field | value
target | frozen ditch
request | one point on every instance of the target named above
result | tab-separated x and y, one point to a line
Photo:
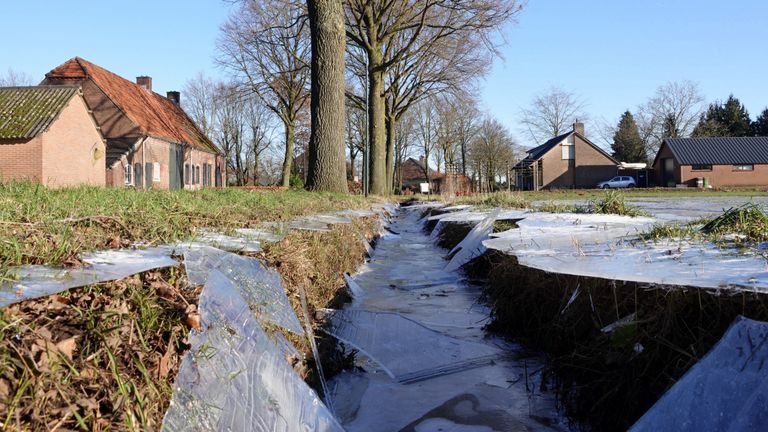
425	362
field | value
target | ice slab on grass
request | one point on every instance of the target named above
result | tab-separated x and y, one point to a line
227	242
261	286
236	379
727	390
406	350
38	281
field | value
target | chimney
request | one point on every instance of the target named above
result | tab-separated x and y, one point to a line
578	127
145	82
174	97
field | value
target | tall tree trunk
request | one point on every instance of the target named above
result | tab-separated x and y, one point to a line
376	126
327	167
463	156
391	131
288	161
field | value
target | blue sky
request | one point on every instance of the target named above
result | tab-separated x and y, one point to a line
613	53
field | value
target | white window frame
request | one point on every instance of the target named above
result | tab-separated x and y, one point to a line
155	172
128	174
568	149
744	167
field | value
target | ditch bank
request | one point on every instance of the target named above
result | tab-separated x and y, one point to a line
613	347
106	356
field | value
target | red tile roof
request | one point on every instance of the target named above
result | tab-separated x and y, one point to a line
151	112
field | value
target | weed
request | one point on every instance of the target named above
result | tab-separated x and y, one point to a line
496	199
749	221
555	207
613	202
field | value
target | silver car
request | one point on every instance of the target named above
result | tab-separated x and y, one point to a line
617	182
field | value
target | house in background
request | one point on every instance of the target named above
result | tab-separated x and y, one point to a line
48	135
722	161
151	142
569	160
414	173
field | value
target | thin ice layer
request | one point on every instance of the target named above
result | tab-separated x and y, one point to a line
605	246
39	281
226	242
261	286
472	245
726	391
235	379
380	336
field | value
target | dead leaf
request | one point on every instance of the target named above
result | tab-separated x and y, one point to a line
67	347
193	320
164	366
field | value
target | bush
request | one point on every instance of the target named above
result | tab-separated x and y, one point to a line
296	182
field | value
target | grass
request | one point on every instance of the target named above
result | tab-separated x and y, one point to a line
40	225
94	358
613	202
496	199
746	224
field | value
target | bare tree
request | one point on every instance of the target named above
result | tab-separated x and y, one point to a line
551	113
260	136
674	109
492	152
200	100
266	43
14	78
355	135
388	31
326	146
427	127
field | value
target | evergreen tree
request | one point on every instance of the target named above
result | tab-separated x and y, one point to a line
760	125
670	128
728	119
627	144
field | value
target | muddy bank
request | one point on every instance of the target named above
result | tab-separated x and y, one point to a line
614	348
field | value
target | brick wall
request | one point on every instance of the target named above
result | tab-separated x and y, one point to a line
153	150
21	159
726	175
73	150
592	165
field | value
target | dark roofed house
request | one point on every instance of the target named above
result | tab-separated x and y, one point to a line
568	160
151	142
723	161
48	135
414	173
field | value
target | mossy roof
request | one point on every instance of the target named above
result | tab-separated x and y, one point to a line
25	112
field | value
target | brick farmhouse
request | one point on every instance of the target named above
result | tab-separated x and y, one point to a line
569	160
48	135
150	140
722	161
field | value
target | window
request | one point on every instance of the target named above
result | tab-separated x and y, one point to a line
702	167
186	174
156	172
128	175
568	149
205	175
197	174
746	167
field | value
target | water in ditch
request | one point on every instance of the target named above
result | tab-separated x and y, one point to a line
426	362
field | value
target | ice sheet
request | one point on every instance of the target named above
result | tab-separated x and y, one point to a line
235	379
379	335
727	390
606	246
260	285
39	281
226	242
472	245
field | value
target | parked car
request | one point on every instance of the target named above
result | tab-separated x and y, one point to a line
617	182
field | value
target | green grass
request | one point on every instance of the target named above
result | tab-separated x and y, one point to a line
744	225
613	202
40	225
